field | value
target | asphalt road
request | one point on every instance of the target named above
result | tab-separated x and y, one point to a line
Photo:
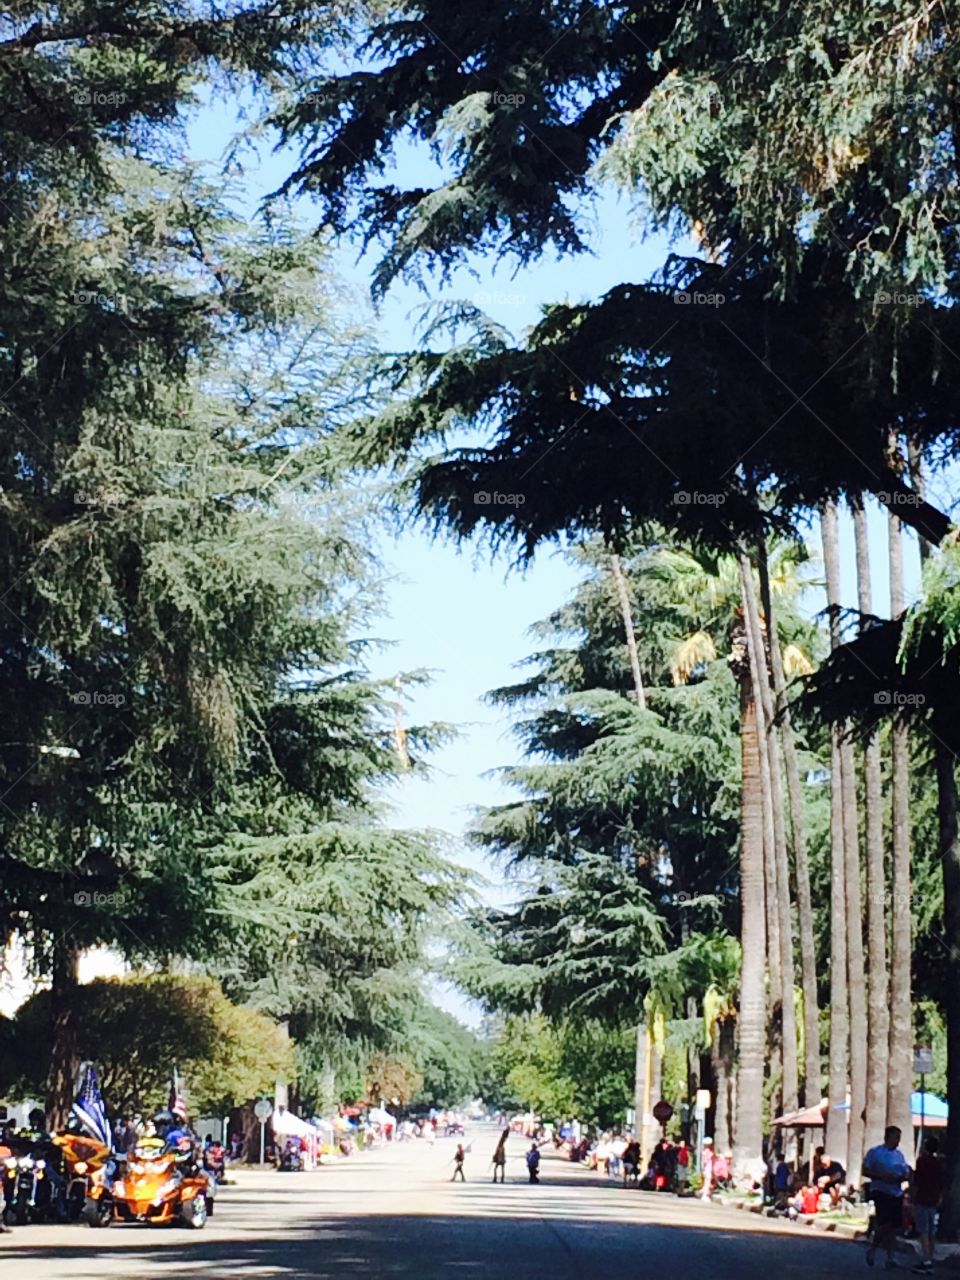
395	1213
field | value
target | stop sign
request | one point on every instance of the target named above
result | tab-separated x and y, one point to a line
662	1111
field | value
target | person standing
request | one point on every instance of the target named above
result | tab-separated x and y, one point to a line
683	1166
706	1169
887	1168
500	1158
927	1197
533	1163
458	1158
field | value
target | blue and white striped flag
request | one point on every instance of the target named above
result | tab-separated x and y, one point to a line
89	1108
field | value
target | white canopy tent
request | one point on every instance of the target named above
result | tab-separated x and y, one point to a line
287	1125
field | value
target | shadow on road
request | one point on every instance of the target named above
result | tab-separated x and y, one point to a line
502	1245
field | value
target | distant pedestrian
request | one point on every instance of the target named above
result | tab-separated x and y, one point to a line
458	1158
706	1169
683	1166
927	1196
887	1168
533	1163
500	1158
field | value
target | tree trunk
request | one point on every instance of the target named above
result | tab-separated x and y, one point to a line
752	1015
640	1098
878	1011
623	598
767	730
836	1134
900	1059
655	1131
62	1077
856	976
950	861
722	1054
798	831
626	613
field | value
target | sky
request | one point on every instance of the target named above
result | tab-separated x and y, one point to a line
455	611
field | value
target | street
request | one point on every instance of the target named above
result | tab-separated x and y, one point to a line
394	1212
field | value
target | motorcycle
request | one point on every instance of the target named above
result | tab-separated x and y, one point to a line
88	1163
34	1189
153	1186
291	1161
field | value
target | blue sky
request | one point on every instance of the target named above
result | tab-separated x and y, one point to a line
454	611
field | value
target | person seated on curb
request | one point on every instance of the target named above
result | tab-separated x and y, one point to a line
806	1202
831	1177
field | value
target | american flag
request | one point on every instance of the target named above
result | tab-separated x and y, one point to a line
177	1104
89	1108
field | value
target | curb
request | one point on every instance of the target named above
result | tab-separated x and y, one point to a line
947	1254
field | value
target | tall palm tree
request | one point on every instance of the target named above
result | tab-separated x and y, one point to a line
836	1135
748	1128
647	1056
878	1012
720	1024
773	796
856	972
900	1060
798	836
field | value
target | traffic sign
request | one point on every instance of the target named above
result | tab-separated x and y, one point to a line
923	1060
662	1111
263	1110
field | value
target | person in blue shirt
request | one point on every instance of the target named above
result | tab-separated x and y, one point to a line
887	1168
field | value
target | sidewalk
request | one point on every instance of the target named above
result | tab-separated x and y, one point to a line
945	1254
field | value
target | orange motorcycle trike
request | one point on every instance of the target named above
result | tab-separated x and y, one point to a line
152	1186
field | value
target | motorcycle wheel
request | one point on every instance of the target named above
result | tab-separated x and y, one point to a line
98	1213
194	1213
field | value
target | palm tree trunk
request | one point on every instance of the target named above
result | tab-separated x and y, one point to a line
878	1012
722	1053
798	832
748	1127
644	1049
623	598
946	760
767	729
900	1058
836	1134
856	975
